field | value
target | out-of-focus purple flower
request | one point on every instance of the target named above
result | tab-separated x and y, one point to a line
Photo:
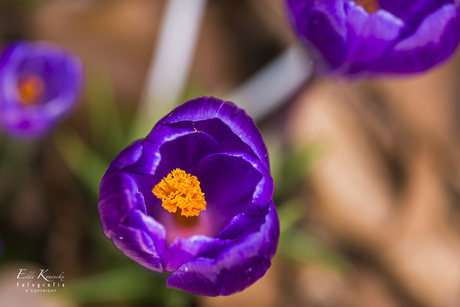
377	36
39	85
218	246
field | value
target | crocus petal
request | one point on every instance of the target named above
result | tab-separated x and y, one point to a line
189	147
182	250
228	193
127	156
433	42
244	131
229	245
366	38
416	13
144	239
262	191
61	73
405	36
237	266
241	224
397	8
156	231
119	196
137	245
323	25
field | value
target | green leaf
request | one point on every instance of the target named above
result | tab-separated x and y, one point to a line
301	247
106	128
132	283
86	164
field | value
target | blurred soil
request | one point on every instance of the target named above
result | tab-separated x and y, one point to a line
386	189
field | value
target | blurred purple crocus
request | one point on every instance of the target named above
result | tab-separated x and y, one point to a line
195	198
377	36
39	85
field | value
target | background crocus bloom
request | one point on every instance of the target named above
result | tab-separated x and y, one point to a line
39	85
372	36
151	199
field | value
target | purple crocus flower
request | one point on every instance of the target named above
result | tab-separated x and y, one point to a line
377	36
39	85
195	198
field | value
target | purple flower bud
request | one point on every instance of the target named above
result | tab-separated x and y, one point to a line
39	85
377	36
195	198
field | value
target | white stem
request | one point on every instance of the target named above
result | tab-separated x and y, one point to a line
170	66
274	83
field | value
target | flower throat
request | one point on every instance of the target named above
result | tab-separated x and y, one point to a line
371	6
180	193
31	89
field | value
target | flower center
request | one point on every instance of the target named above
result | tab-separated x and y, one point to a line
371	6
30	89
182	191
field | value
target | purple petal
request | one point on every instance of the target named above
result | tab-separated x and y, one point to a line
62	75
321	23
174	148
240	225
398	7
237	266
369	35
152	228
234	183
123	219
404	36
182	250
137	245
263	191
416	13
127	156
244	131
434	41
119	195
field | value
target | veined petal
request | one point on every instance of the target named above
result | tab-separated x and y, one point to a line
198	111
119	196
182	250
240	225
137	245
434	41
419	9
189	146
369	36
322	25
127	157
234	183
156	231
264	189
237	266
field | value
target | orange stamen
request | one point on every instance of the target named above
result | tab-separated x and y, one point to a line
371	6
30	89
182	191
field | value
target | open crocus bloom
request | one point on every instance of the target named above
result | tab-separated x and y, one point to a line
377	36
39	85
195	198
